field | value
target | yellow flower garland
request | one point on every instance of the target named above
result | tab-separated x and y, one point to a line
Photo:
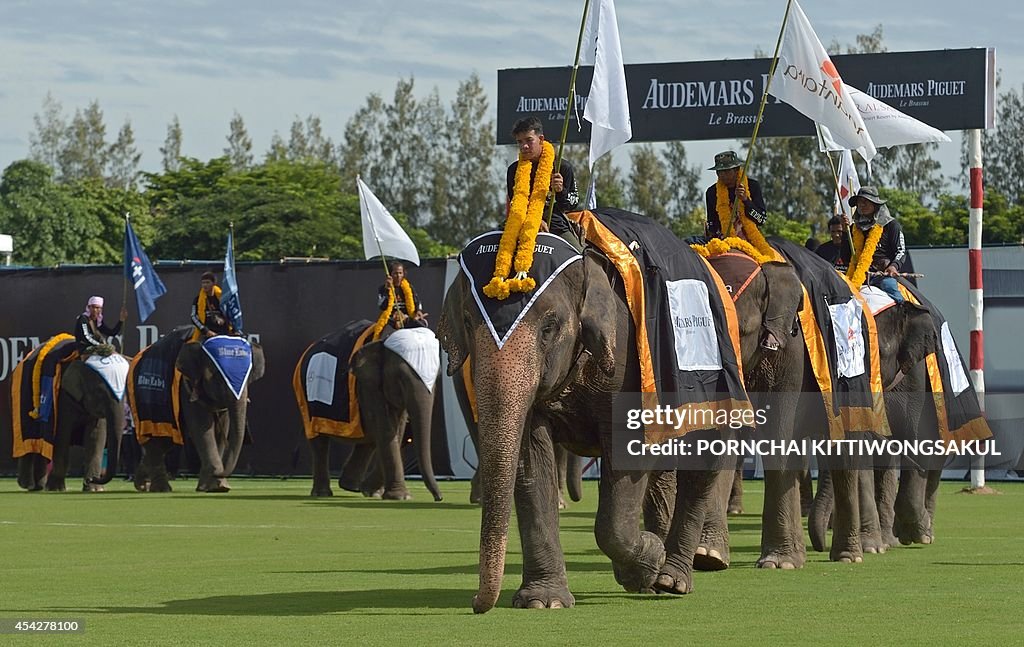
858	269
382	320
410	300
718	246
37	371
520	235
723	207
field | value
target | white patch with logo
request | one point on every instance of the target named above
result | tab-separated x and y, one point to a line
876	298
320	372
957	376
420	349
850	348
113	369
694	326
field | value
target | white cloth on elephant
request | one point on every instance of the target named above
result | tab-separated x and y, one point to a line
320	376
849	331
113	369
876	299
957	377
420	350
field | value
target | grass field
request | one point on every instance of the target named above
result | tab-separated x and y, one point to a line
266	564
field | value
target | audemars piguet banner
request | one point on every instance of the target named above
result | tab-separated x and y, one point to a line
947	89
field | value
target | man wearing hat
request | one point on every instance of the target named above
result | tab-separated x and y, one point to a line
890	253
89	327
722	194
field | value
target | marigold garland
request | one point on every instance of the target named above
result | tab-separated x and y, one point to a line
723	207
519	238
382	320
201	309
718	246
410	300
858	269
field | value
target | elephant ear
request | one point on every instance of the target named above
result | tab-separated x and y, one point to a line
191	361
919	339
451	329
597	314
72	381
367	363
259	363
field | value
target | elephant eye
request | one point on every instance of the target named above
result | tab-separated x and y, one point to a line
549	328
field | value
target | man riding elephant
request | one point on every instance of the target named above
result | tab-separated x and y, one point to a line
90	330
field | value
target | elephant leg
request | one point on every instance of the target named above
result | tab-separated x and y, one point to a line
735	505
372	484
911	524
61	442
545	584
95	440
846	528
694	493
712	552
32	472
320	448
561	456
806	493
389	453
782	536
211	473
870	525
886	482
359	462
659	503
152	474
820	514
474	488
636	555
930	495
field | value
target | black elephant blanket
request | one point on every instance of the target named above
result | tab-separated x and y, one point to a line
153	387
35	382
842	343
957	408
687	334
324	387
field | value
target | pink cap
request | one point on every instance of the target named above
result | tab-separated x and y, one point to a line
95	301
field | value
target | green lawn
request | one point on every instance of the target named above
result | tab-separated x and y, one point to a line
266	564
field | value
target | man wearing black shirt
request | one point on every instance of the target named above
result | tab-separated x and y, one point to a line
727	167
837	250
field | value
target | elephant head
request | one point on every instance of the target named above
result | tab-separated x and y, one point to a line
205	393
86	400
577	311
381	372
906	335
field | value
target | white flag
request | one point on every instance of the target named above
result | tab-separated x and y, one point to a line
887	125
607	105
382	235
806	79
849	184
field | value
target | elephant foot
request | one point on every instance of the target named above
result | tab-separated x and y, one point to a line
674	584
783	561
846	554
56	485
710	559
92	487
212	485
735	506
889	540
159	486
872	544
321	491
396	495
349	486
561	502
373	494
638	575
538	595
908	534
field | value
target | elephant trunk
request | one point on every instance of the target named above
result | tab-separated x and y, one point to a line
115	427
421	421
503	415
236	434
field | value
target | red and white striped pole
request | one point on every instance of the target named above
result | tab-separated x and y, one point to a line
977	292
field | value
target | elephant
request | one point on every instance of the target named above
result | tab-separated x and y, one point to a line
89	414
390	393
553	380
906	336
210	414
569	465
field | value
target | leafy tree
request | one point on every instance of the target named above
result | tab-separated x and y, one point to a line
84	151
1002	148
779	225
649	191
403	155
239	148
123	159
46	143
361	151
911	168
171	150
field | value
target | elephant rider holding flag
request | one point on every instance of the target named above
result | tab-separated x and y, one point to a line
406	311
90	331
207	316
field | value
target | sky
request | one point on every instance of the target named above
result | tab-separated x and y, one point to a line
273	61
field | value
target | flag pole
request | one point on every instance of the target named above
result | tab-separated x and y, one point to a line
569	105
124	291
839	193
760	110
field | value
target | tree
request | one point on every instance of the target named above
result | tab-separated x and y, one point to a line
403	155
649	191
46	142
307	142
123	159
239	148
171	150
1003	148
361	152
84	151
911	168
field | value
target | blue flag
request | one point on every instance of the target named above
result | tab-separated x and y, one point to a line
229	302
139	271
